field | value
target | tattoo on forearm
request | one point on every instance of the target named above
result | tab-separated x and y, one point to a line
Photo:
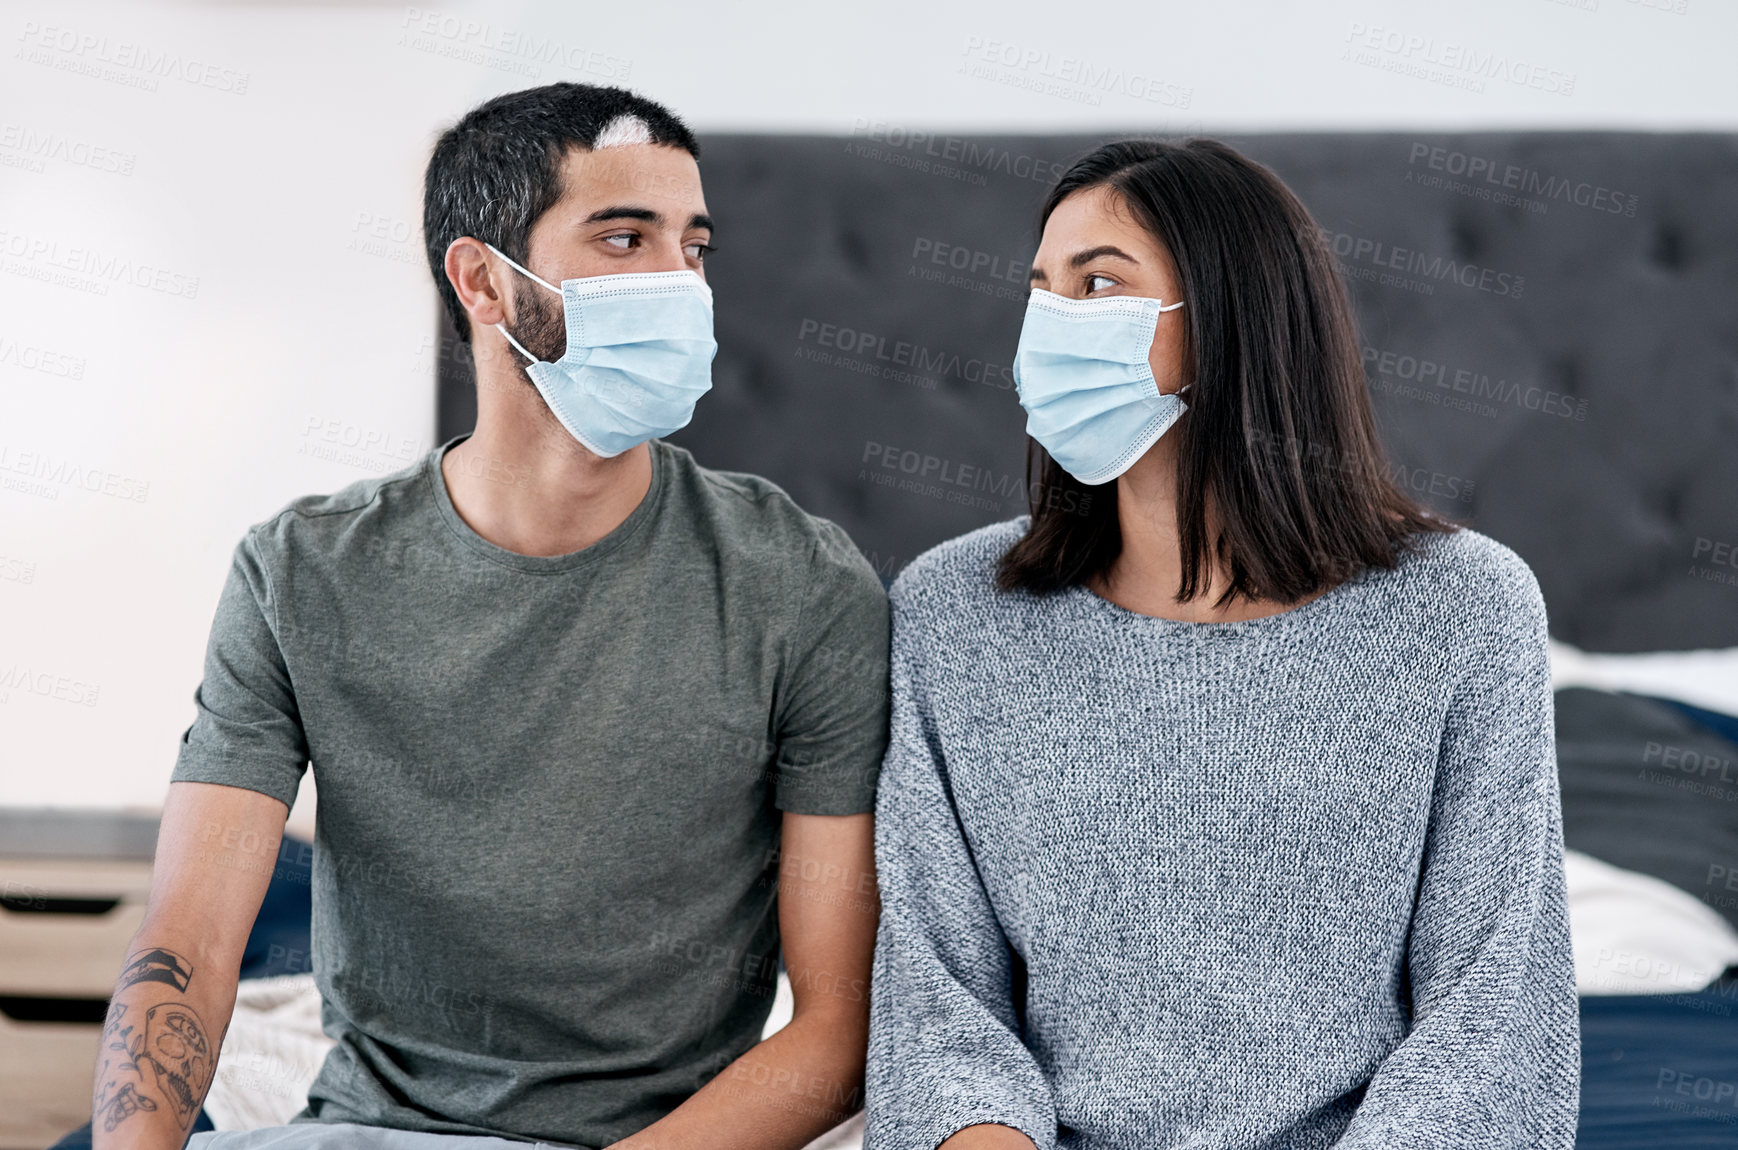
117	1095
112	1022
156	965
175	1047
127	1101
172	1045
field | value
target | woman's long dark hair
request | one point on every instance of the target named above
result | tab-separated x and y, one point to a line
1278	438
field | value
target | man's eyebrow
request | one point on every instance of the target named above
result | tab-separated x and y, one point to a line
625	212
648	215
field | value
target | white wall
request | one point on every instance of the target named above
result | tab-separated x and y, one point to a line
210	261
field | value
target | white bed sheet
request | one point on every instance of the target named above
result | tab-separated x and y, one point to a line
274	1048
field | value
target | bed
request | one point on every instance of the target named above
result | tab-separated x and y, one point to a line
1658	1071
1587	412
1650	790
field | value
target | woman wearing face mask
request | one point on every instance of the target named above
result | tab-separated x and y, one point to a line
1220	808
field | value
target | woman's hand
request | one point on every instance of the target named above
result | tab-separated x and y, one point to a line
988	1136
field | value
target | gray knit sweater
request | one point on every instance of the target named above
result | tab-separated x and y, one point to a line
1285	883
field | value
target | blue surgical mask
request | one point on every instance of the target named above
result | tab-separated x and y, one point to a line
639	356
1086	384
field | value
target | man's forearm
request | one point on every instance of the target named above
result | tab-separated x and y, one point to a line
159	1046
781	1095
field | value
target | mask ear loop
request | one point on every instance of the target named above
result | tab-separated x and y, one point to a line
503	330
1174	307
533	275
517	266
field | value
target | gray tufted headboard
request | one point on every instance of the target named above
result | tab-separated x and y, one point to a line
1550	324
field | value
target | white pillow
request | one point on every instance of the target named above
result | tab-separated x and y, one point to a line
1634	934
1706	679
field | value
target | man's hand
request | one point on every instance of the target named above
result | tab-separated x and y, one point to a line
216	849
807	1078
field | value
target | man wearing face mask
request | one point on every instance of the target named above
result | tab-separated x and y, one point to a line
596	729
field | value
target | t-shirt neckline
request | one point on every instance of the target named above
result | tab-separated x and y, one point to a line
543	564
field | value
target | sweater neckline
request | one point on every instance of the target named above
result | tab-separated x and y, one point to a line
1097	604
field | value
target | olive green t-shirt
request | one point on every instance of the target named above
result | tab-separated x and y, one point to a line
544	877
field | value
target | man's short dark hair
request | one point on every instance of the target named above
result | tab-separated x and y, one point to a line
498	169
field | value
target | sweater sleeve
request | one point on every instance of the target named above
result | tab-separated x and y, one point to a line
945	1050
1493	1055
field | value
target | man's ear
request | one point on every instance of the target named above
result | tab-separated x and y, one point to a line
471	272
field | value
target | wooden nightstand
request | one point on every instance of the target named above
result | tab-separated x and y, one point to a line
72	892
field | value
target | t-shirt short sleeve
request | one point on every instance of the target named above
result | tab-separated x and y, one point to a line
832	724
246	730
